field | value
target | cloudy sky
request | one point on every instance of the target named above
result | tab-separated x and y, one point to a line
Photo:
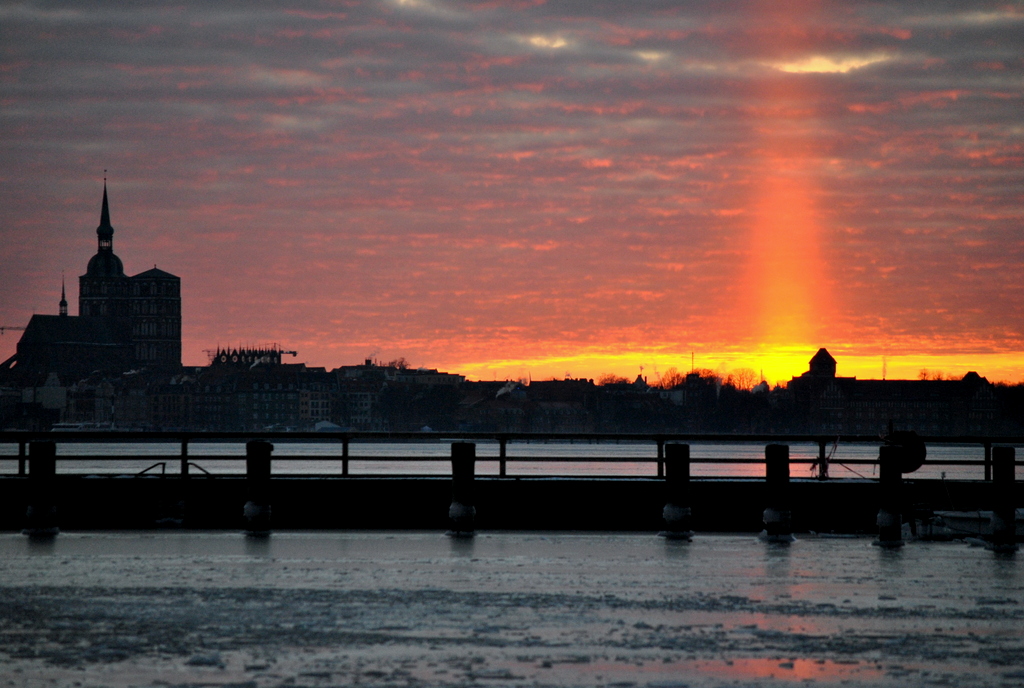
533	188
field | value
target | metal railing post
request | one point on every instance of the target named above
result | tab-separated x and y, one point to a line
184	458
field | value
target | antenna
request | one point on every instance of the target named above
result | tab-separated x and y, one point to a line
691	361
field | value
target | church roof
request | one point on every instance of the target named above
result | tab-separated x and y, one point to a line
155	273
70	346
73	329
823	356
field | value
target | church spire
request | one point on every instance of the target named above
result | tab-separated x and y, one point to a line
105	213
63	297
105	233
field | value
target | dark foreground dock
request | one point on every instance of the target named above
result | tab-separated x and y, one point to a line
40	499
358	502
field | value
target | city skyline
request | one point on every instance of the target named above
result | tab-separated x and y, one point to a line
503	191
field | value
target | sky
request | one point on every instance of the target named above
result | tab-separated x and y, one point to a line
533	189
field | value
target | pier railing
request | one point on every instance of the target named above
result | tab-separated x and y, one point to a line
348	444
564	501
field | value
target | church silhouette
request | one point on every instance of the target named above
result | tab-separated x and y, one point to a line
123	323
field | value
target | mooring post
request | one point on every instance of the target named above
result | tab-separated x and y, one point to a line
1004	521
822	461
502	442
344	456
677	482
462	512
41	516
988	461
890	487
778	518
21	458
257	479
661	458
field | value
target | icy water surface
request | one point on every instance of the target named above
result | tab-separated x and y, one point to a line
503	609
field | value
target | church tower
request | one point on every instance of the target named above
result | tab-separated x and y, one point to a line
103	289
156	318
149	303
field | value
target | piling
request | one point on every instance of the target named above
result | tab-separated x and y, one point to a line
1004	521
257	479
462	512
890	505
41	516
778	518
677	511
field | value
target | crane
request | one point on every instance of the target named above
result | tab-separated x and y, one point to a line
10	327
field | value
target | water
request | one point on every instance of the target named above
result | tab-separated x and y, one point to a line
377	458
504	609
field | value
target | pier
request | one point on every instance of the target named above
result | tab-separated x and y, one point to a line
47	492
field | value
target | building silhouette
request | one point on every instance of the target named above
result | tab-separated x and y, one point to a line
828	403
123	322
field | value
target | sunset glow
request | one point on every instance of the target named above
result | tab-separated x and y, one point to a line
531	190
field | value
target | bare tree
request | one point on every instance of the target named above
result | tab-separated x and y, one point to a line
672	378
742	378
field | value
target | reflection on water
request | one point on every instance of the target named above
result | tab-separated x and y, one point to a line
787	669
372	458
41	545
677	549
258	546
462	546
